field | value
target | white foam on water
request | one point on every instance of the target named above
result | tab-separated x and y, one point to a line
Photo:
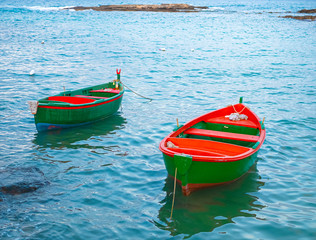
214	9
41	8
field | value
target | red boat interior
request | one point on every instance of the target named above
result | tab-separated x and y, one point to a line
72	100
84	99
205	147
106	90
93	97
224	120
218	136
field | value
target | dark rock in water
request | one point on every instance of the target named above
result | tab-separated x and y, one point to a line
21	180
144	7
309	17
307	11
303	17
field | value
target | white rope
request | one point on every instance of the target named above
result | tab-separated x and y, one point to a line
12	115
136	92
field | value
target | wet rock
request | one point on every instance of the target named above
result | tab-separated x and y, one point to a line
144	7
303	17
21	180
307	11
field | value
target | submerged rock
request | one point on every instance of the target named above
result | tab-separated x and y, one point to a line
21	180
144	7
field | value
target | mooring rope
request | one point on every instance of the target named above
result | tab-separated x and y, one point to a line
174	183
136	92
240	111
174	191
12	114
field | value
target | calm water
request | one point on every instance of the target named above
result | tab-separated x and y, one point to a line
108	180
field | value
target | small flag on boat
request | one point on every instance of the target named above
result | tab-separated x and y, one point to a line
33	106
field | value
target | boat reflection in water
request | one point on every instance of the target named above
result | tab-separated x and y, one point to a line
207	209
80	137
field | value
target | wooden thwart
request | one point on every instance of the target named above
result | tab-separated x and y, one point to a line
226	135
224	120
84	96
205	147
109	90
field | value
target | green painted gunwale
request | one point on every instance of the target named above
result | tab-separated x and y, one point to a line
54	112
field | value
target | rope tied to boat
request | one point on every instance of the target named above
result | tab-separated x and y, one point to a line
174	184
236	116
174	191
150	99
239	111
11	115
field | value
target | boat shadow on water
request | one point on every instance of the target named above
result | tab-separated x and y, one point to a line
71	137
210	208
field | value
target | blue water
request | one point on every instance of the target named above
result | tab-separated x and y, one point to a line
108	180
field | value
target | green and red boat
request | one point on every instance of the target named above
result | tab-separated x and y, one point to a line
78	107
216	148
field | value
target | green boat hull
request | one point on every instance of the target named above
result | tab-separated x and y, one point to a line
56	115
213	149
206	174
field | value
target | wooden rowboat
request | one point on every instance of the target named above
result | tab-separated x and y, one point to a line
212	149
78	107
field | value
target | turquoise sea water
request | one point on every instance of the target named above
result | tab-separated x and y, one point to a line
108	180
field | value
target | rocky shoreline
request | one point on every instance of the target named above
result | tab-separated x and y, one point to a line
178	8
144	7
308	17
303	17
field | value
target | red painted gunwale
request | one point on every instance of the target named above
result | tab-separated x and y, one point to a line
252	117
83	105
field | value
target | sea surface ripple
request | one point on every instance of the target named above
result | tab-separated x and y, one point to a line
107	180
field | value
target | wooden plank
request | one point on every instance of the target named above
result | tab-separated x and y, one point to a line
106	90
193	151
218	134
84	96
214	148
224	120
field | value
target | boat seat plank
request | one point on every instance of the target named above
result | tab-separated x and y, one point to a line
224	120
84	96
72	100
106	90
191	151
218	134
214	148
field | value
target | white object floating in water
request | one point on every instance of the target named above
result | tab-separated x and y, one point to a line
32	72
192	50
162	49
33	106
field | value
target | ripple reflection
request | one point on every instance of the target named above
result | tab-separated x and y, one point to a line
71	138
208	209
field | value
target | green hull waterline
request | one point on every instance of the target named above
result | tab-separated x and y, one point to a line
210	172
